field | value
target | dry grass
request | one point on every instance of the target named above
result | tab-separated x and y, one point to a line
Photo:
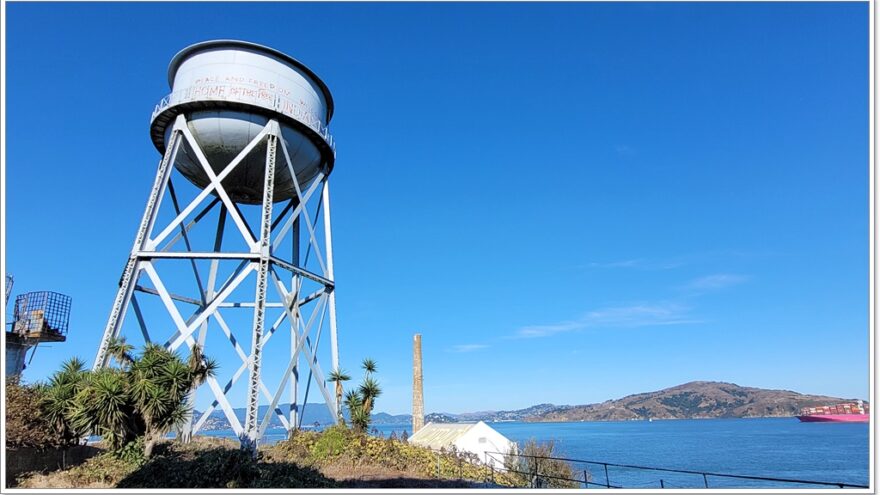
101	471
377	476
59	479
349	461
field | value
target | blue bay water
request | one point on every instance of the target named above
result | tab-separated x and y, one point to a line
767	447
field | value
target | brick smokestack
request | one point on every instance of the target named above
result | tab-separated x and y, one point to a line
418	412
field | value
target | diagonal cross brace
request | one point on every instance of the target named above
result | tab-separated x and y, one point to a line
187	330
312	239
300	207
131	272
293	359
310	356
244	365
215	184
178	321
241	354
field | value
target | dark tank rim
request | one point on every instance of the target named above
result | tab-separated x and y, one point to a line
161	122
219	44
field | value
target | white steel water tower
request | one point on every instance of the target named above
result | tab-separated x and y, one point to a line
248	126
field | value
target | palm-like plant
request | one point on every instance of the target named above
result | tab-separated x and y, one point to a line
103	407
360	420
353	399
360	402
355	406
160	382
338	376
369	391
369	366
201	367
121	351
146	397
58	395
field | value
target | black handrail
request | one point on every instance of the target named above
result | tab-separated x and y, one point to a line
683	471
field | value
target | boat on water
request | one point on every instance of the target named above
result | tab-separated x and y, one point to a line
847	412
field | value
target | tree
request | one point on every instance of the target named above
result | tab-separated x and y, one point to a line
144	397
338	376
360	402
160	382
57	397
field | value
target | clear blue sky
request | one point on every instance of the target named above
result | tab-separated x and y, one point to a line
571	202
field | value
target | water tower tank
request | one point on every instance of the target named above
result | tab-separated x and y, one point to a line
228	90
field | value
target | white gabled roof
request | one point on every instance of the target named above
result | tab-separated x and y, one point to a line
440	435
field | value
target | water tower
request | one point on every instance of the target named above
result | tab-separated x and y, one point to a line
247	125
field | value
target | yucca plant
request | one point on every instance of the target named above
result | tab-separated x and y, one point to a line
369	391
360	402
369	366
339	376
354	404
103	406
159	382
57	398
144	397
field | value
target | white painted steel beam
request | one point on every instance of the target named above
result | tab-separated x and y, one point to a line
132	268
328	240
252	435
311	230
262	256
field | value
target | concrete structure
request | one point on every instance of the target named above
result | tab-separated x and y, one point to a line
16	352
477	438
247	125
9	283
418	414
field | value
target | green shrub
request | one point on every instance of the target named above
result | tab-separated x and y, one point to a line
209	465
145	397
131	453
340	445
331	443
107	469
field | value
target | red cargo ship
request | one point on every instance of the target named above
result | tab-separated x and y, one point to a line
848	412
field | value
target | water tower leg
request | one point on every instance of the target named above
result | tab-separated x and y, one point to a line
187	431
132	268
294	288
328	246
251	434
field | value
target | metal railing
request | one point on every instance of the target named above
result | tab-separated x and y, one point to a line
537	479
257	95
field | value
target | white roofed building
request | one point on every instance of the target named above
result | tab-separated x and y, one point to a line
477	438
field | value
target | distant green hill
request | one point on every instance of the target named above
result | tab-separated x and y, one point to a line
313	413
689	400
692	400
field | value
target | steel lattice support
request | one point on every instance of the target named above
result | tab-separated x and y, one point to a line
263	258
